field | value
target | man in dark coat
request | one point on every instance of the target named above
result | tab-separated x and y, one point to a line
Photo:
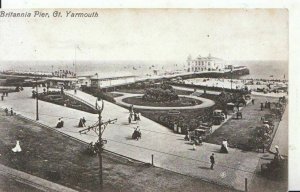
11	111
212	161
83	121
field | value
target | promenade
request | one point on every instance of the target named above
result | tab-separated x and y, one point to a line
170	150
281	136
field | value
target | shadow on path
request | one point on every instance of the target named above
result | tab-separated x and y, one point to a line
202	167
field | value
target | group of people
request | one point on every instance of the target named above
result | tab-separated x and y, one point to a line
7	112
63	73
3	95
267	105
137	134
133	116
81	122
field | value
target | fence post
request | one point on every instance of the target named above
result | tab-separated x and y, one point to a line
246	184
152	157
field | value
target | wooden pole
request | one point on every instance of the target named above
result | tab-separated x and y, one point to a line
37	102
152	159
100	152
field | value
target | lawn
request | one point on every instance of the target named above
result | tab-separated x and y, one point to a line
62	99
239	131
45	151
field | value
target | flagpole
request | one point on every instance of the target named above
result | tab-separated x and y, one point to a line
75	62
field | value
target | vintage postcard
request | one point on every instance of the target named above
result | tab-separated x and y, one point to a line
144	99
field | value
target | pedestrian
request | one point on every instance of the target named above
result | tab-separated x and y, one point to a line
83	121
60	123
11	112
129	119
226	113
2	97
80	124
131	109
266	104
6	111
138	117
135	117
194	146
75	91
212	161
261	106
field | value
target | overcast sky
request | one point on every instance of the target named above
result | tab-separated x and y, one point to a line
257	34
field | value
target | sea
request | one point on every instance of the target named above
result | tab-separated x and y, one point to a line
258	69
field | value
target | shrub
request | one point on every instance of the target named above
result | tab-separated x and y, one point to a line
160	94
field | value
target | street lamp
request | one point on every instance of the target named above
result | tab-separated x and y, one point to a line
99	128
97	79
231	80
100	109
37	101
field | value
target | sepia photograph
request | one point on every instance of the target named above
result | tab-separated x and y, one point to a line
144	100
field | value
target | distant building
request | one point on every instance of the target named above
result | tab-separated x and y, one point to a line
108	81
58	82
205	64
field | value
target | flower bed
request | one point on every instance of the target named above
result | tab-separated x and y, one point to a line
64	100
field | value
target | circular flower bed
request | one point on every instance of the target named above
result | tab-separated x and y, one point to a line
180	102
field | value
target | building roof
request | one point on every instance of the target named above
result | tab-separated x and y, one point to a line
209	57
61	79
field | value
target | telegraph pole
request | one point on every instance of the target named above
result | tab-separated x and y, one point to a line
37	101
99	128
231	80
101	148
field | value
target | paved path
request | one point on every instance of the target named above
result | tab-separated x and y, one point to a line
281	136
170	150
36	182
205	102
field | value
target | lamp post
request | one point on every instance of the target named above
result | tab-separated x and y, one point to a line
37	101
97	80
231	80
101	141
100	108
99	128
